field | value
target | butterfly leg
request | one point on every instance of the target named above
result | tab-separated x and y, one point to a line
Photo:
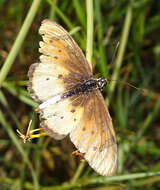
30	133
79	154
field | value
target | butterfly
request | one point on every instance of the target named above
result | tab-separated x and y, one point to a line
70	101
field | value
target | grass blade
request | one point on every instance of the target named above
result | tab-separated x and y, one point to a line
19	40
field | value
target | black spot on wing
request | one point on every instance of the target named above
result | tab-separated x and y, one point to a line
60	76
73	110
92	132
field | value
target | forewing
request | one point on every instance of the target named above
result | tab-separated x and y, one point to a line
62	63
94	135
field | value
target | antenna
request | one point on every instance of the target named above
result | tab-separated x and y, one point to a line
142	91
130	85
126	83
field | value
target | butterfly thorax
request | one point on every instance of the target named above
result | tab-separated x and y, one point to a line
86	86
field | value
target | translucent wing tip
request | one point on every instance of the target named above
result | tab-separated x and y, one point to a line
103	162
47	26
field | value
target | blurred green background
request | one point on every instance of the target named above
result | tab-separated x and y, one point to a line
47	164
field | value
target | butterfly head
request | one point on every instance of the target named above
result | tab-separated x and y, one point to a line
101	82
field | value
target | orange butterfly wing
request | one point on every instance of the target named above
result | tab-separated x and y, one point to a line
62	63
94	135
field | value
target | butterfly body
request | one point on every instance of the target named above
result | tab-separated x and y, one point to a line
70	99
86	86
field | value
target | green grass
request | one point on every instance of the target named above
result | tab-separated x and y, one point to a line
97	26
